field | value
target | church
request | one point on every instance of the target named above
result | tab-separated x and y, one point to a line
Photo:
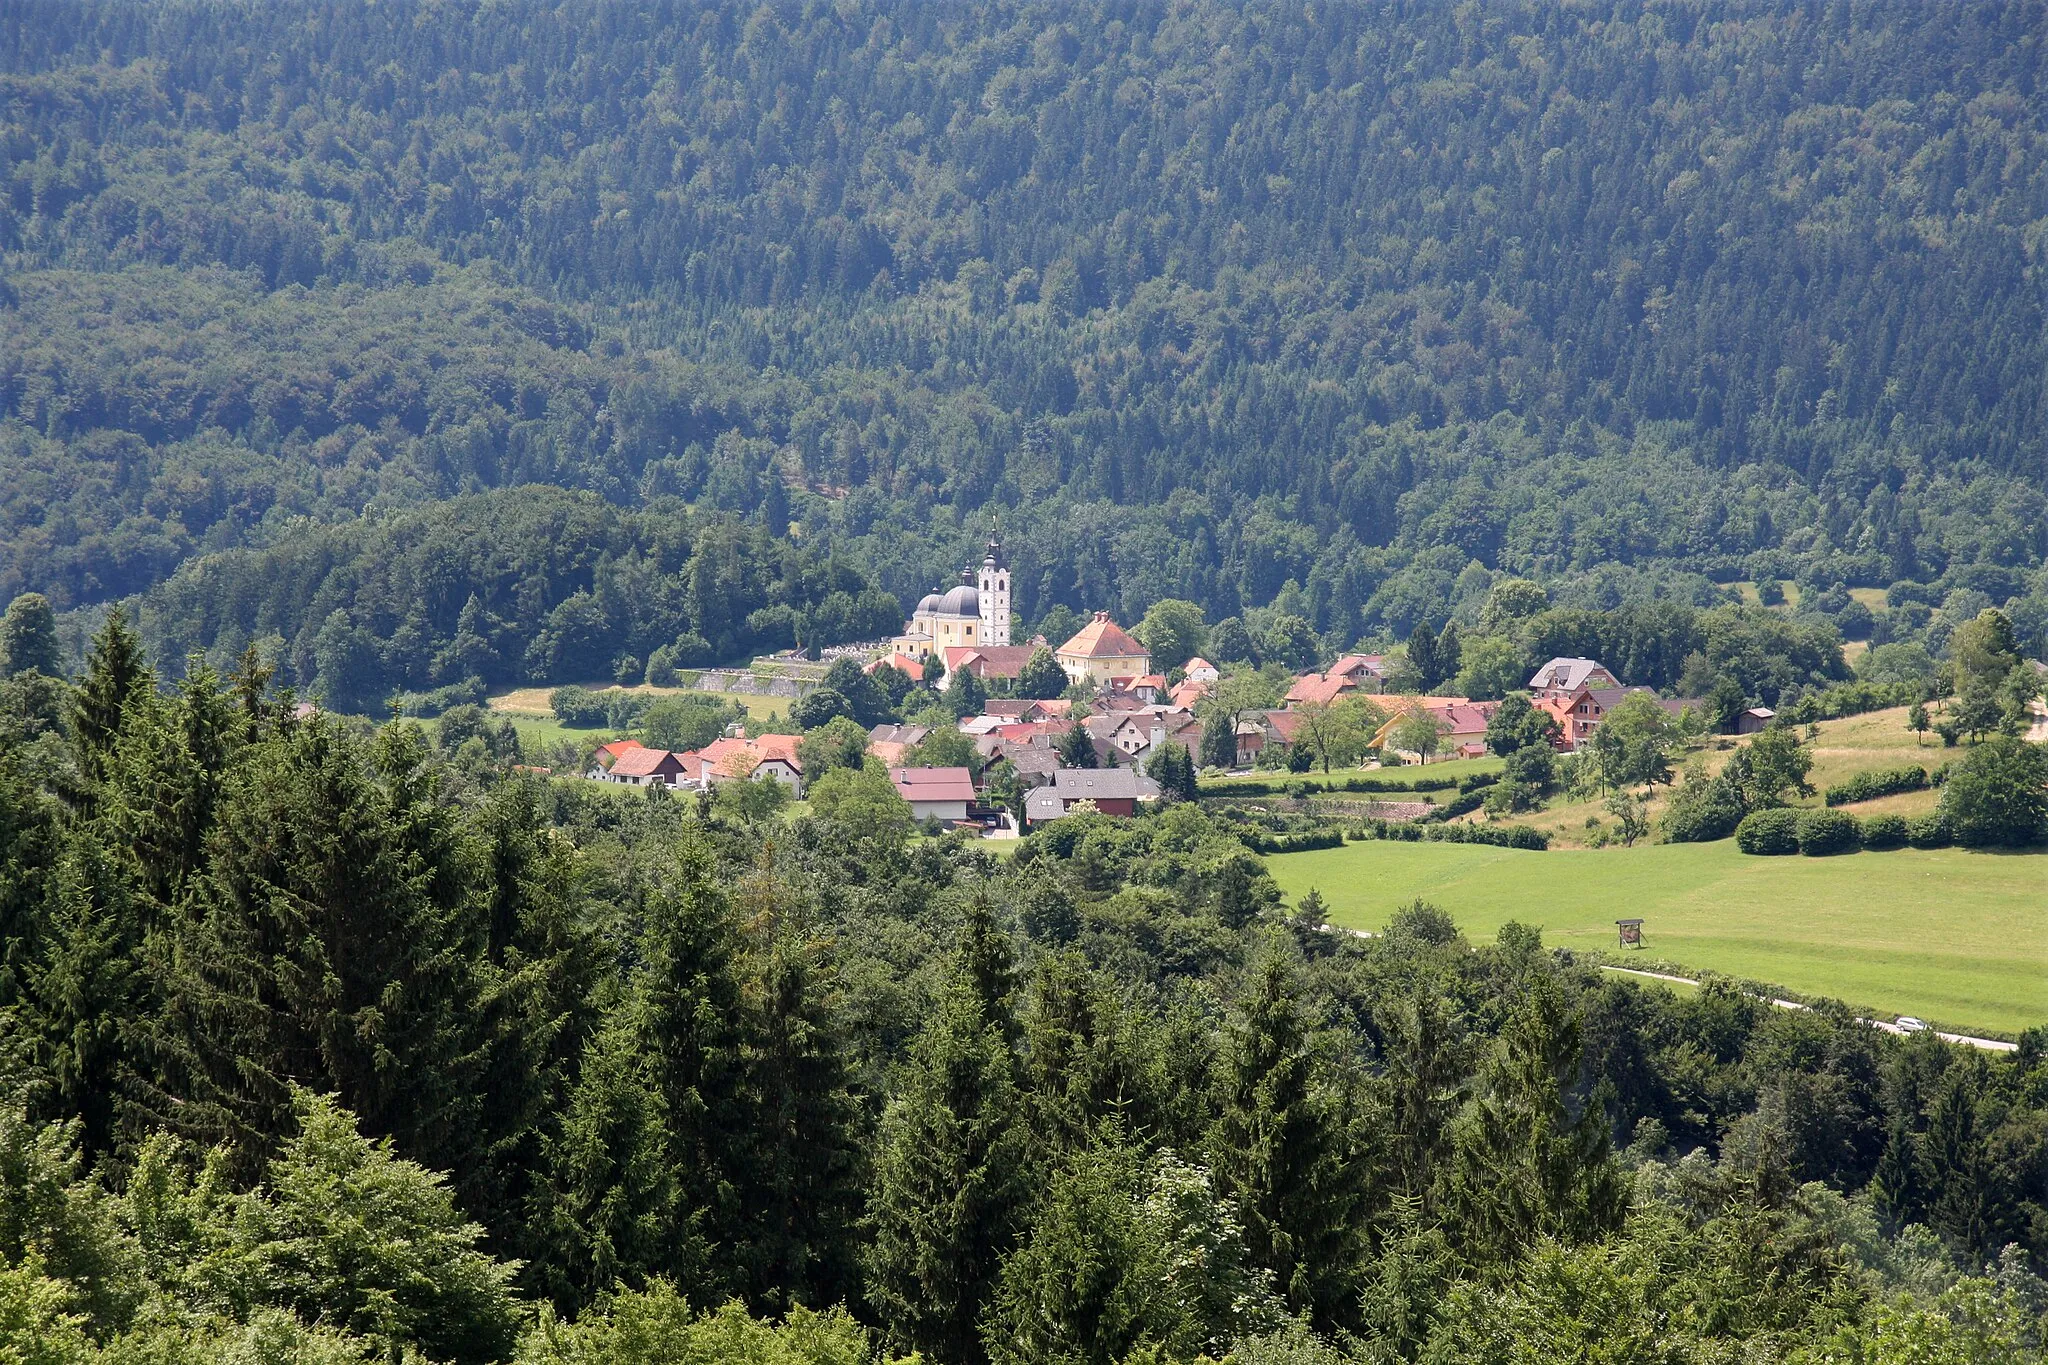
975	613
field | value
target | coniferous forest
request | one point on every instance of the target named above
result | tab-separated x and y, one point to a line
375	349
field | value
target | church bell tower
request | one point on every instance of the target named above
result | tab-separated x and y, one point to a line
994	590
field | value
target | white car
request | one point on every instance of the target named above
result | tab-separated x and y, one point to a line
1906	1023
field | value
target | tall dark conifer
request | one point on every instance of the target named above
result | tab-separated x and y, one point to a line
114	672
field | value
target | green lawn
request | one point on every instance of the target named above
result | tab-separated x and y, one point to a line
1406	775
1958	938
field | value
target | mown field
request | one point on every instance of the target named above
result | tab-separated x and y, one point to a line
1405	776
1958	938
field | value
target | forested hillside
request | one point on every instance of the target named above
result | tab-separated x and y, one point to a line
1205	299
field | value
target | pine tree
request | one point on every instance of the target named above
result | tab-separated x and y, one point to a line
803	1196
1219	741
1076	749
951	1180
28	638
1961	1201
607	1210
114	674
1424	1070
1449	652
1281	1148
965	696
1895	1184
329	945
696	1022
1523	1164
1422	655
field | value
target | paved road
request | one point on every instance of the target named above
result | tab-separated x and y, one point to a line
1988	1044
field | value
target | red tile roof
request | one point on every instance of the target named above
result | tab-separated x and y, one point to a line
933	784
1102	638
640	761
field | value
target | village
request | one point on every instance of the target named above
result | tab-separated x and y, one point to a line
1089	723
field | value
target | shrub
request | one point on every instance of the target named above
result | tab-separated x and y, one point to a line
1768	832
1702	812
1884	832
1928	831
1997	796
1822	832
1870	786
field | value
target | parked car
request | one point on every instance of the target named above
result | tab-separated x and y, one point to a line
1906	1023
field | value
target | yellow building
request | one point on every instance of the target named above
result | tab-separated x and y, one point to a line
1101	650
941	622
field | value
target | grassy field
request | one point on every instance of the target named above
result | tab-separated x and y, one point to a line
1449	768
1846	747
533	701
1958	938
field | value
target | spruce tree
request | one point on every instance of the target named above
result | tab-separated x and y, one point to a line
1422	655
607	1210
1895	1185
698	1026
1281	1147
803	1192
1961	1199
1219	741
950	1184
114	673
1076	749
1524	1165
28	638
329	944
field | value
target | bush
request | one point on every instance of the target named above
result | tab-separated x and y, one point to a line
1884	832
1769	833
1997	796
1416	831
1702	812
1870	786
1928	831
1824	831
1258	841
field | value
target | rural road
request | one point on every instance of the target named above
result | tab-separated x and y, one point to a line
1988	1044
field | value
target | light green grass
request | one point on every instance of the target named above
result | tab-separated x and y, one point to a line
533	701
1406	775
1956	937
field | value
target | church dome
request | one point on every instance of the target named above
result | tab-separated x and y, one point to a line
927	604
961	601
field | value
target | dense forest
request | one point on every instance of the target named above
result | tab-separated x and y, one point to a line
1205	300
324	1045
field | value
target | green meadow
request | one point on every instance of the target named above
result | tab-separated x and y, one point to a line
1958	938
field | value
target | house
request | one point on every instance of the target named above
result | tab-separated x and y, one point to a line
1259	730
1367	672
1563	677
1188	694
1150	689
1200	670
1317	689
935	793
1101	650
1460	721
1138	735
640	766
1579	714
733	759
608	754
1754	719
989	661
1115	791
1033	764
912	669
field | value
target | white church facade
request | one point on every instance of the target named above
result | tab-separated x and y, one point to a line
975	613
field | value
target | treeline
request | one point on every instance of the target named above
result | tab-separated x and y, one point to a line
532	583
1108	1099
1206	301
